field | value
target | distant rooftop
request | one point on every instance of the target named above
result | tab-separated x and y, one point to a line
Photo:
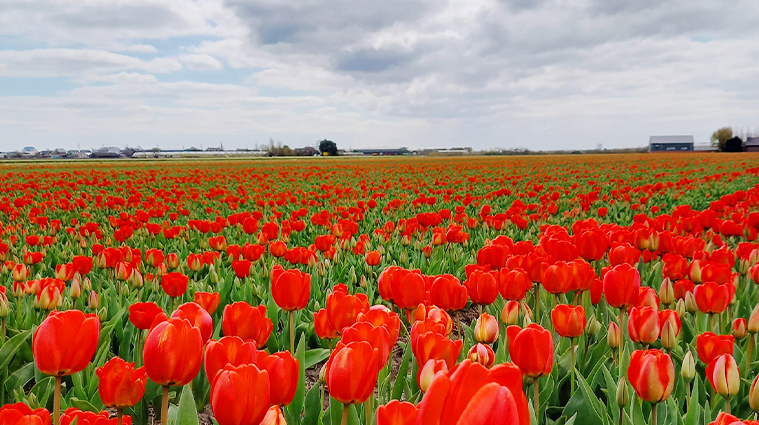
670	139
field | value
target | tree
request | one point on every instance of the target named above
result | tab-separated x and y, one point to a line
721	136
328	147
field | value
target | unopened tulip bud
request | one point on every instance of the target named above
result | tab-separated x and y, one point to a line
593	326
427	251
76	289
103	314
753	321
486	329
688	370
323	374
362	282
428	371
613	336
93	301
155	284
274	416
510	313
526	321
668	336
172	261
404	258
86	284
321	269
482	354
680	308
623	393
753	395
212	275
5	305
724	376
690	303
739	328
352	278
667	292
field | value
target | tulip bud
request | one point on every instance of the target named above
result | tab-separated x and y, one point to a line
352	278
274	416
76	289
753	321
593	326
739	328
510	313
623	393
212	276
753	395
93	301
613	336
403	259
321	269
526	321
724	376
323	374
18	289
5	306
668	336
482	354
666	292
690	303
103	314
137	280
362	282
688	370
427	251
172	261
486	329
428	371
155	285
680	308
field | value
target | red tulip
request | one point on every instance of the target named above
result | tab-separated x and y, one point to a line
240	395
709	346
482	354
712	297
351	372
568	321
373	258
481	287
82	264
486	329
431	345
531	349
375	335
290	289
397	413
21	414
343	309
228	350
65	342
382	316
241	268
283	371
248	322
120	384
142	314
198	317
408	288
621	286
652	375
173	352
557	278
174	284
643	325
513	284
208	300
472	394
447	293
322	326
427	373
624	253
724	375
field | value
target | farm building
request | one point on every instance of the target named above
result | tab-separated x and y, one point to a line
670	143
752	144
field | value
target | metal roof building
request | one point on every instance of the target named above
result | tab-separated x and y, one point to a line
752	144
670	143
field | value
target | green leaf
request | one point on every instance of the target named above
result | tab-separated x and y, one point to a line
43	390
187	414
10	347
691	417
296	406
83	405
20	378
315	356
597	406
313	405
400	381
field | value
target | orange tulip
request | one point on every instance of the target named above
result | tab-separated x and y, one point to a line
290	289
486	329
447	293
198	317
643	326
568	321
375	335
240	395
65	342
228	350
351	372
431	345
513	284
482	354
343	309
709	346
652	375
173	352
248	322
380	315
712	297
120	384
472	394
373	258
322	326
427	373
208	300
724	376
481	287
531	349
174	284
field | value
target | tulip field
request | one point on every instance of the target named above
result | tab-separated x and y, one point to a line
547	290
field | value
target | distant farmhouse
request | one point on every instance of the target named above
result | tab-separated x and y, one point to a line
670	143
752	144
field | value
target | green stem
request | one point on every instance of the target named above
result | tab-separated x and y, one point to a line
57	402
572	349
165	406
119	416
537	303
536	399
458	322
368	410
621	320
653	414
750	352
344	420
727	405
292	332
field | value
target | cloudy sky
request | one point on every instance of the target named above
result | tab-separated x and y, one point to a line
542	74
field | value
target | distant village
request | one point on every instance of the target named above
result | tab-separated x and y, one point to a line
675	143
